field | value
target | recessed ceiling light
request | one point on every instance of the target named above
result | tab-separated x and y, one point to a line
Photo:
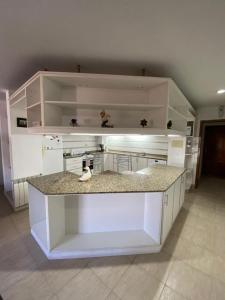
222	91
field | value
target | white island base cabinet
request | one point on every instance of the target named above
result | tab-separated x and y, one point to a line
91	225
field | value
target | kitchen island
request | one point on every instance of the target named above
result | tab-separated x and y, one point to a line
112	214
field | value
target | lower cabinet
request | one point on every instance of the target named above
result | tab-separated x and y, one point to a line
110	162
73	165
173	200
167	214
176	198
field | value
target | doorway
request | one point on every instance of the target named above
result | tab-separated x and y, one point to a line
213	160
212	151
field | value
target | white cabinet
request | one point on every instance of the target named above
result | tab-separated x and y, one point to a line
139	163
73	165
142	163
49	100
134	163
167	216
172	203
109	162
176	199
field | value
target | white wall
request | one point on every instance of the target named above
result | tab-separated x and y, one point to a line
79	144
207	113
157	145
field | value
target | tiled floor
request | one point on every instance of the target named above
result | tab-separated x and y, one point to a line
191	265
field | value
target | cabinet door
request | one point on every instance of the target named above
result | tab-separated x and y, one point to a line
108	162
182	189
134	163
176	200
142	163
74	165
167	216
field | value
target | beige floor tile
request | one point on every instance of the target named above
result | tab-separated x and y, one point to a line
196	244
21	221
189	282
137	284
33	248
203	261
15	263
15	248
219	245
110	269
158	264
8	231
169	294
181	248
203	238
112	296
219	268
33	287
186	232
59	272
218	290
11	271
86	285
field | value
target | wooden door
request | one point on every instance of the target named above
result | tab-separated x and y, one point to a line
214	151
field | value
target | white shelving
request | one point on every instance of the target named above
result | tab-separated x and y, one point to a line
113	106
111	243
52	99
102	131
92	225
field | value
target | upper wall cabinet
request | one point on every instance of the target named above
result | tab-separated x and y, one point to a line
50	100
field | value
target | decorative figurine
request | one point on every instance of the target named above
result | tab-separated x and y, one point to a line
87	175
105	119
143	123
73	123
169	124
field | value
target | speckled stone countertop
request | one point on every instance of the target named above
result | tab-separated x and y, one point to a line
155	179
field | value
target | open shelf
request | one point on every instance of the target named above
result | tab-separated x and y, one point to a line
52	99
177	112
90	105
33	105
34	115
93	244
102	131
17	98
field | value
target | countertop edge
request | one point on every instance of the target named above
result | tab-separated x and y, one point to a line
115	192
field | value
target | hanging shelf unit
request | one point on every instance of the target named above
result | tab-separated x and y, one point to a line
49	100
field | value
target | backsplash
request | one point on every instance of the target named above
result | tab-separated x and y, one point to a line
140	143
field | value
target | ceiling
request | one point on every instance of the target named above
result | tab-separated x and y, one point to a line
174	38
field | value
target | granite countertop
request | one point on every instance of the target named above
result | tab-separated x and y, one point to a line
155	179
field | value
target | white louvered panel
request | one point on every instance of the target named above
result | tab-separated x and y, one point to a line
16	194
79	144
21	192
25	185
157	145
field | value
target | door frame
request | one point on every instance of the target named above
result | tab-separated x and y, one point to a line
203	125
